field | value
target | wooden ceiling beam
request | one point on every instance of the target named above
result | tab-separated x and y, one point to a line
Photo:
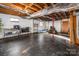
64	15
56	16
19	5
53	15
30	11
45	5
28	7
11	12
61	15
68	14
38	6
12	6
47	17
33	8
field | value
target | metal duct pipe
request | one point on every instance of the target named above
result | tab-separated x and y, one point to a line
50	10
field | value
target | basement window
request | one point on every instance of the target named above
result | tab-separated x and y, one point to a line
14	20
41	24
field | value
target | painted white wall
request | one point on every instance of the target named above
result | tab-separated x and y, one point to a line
57	25
27	22
41	24
22	22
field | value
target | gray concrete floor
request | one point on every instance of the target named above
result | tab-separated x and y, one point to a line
41	44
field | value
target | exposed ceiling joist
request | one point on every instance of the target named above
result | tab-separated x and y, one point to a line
43	10
11	12
15	6
64	15
19	5
45	5
47	17
30	11
29	7
34	8
60	15
56	16
12	6
37	5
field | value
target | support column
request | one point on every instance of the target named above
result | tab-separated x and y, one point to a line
72	28
53	25
33	26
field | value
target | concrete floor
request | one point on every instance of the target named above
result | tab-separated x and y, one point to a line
41	44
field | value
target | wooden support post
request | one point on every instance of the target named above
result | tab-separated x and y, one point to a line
72	28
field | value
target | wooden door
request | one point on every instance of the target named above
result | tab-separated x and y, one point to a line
65	26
